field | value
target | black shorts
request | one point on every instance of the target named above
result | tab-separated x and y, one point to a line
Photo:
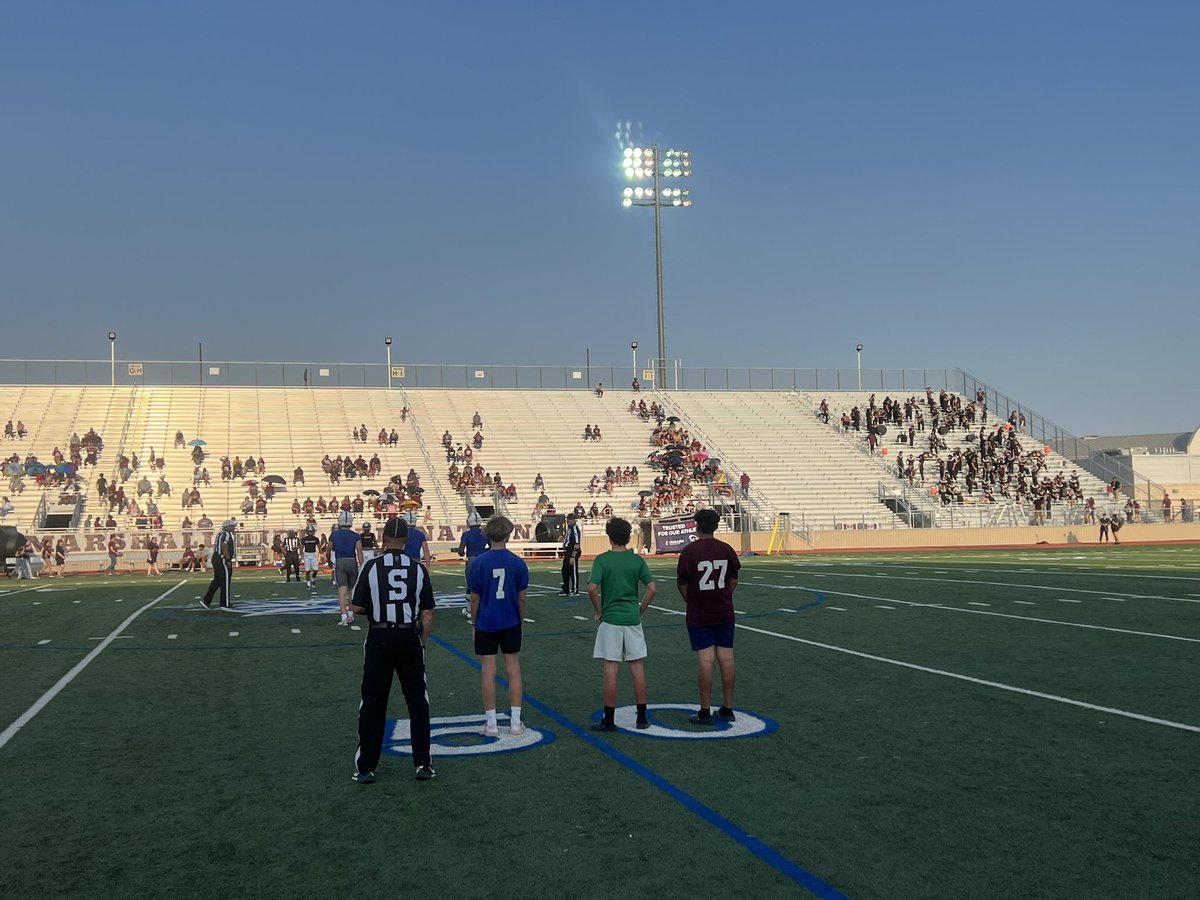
506	641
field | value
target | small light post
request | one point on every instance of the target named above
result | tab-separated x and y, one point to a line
633	345
388	342
112	355
858	352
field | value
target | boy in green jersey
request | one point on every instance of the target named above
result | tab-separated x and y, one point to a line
613	590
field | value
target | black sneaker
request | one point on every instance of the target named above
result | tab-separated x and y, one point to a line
604	726
703	717
724	714
363	777
562	594
643	724
425	773
205	603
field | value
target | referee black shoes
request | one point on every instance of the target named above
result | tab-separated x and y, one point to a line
363	777
425	773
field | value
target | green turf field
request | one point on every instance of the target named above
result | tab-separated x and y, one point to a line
972	724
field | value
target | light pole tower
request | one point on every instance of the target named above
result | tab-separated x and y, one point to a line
633	345
646	162
388	342
112	355
858	357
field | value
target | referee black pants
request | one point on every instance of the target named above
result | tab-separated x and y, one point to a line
222	581
291	563
570	573
392	651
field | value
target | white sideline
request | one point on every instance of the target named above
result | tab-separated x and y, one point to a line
993	684
980	612
10	732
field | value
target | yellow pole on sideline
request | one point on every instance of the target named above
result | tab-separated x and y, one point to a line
774	531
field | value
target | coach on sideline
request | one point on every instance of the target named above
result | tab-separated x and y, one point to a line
395	593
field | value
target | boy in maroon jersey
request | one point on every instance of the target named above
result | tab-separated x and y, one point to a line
707	576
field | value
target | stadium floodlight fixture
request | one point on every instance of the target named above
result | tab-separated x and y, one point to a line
388	343
112	356
650	162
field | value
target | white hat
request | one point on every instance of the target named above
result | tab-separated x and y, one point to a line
229	523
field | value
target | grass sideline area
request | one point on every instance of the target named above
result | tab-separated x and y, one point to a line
1016	723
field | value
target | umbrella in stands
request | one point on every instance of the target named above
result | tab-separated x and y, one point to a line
69	468
371	492
35	469
672	418
196	442
411	504
275	479
13	468
644	494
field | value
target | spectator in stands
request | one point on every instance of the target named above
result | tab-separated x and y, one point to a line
1185	510
1166	507
6	508
179	441
393	438
596	433
745	482
186	524
538	482
110	522
164	487
637	385
21	430
204	522
144	486
9	431
600	389
187	561
477	421
477	440
298	476
587	432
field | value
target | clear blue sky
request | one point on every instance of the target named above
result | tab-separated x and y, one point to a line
1009	188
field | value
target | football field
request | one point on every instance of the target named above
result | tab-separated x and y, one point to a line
920	724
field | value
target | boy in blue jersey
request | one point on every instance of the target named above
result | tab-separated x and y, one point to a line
472	543
416	544
497	582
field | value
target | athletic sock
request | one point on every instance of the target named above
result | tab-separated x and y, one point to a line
641	710
491	719
514	717
609	713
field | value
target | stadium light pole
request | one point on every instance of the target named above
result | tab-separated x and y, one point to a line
646	162
633	345
388	342
112	355
858	352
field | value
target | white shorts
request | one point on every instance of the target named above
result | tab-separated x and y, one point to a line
620	643
368	555
310	562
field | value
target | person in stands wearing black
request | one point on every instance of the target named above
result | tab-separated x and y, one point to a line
395	593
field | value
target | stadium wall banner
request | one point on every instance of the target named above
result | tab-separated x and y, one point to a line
672	535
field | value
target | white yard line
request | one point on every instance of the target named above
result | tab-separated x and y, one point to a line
980	681
11	731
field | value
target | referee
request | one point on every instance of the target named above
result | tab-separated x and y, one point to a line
291	555
396	595
572	550
223	555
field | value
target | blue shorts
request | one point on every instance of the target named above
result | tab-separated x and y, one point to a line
705	636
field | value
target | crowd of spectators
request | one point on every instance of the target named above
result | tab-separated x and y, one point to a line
990	463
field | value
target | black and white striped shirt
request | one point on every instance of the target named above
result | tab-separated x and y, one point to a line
291	544
573	538
393	588
224	539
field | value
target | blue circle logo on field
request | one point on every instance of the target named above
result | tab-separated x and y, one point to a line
669	721
460	736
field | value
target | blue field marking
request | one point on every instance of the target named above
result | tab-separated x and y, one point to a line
767	854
